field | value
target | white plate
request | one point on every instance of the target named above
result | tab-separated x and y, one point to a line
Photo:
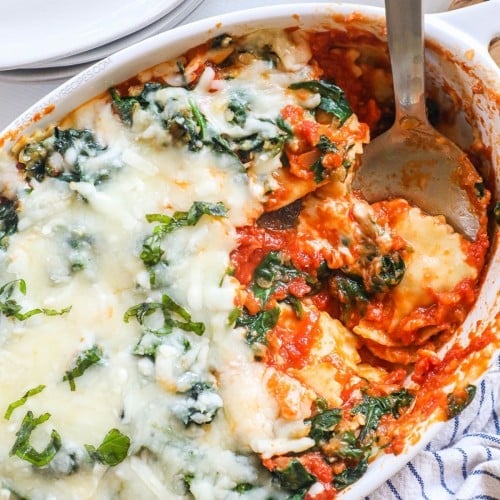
37	31
168	21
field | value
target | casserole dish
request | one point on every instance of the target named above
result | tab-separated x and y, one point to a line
461	76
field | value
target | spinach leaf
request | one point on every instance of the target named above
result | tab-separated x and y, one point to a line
332	97
458	403
48	158
126	105
325	145
8	219
174	315
348	289
294	477
22	447
258	325
323	424
351	449
22	400
319	171
239	110
386	272
10	308
200	406
275	272
79	249
112	450
350	475
188	126
373	408
84	361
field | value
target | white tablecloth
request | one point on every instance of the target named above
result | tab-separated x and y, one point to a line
463	462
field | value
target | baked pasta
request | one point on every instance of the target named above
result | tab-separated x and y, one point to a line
195	303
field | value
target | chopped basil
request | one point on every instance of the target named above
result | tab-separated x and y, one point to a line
8	219
373	408
22	400
332	97
10	308
22	447
112	450
258	325
458	402
152	252
496	212
84	361
174	316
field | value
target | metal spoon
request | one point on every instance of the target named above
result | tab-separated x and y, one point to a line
412	160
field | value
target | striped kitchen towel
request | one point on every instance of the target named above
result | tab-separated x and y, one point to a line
463	461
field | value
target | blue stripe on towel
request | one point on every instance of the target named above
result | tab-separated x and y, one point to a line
455	431
483	497
464	463
480	472
419	480
393	489
483	435
441	473
494	413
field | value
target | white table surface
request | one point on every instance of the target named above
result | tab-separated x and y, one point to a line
16	97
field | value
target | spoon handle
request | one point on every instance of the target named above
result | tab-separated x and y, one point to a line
406	47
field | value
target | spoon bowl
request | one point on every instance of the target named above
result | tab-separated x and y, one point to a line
412	160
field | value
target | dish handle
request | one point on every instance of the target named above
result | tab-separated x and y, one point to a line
481	21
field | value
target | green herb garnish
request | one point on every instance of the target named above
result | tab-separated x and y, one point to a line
11	308
22	447
174	315
84	361
22	400
112	450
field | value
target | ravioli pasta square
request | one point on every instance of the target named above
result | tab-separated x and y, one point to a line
196	304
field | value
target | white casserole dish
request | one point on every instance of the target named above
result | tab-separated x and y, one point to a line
458	62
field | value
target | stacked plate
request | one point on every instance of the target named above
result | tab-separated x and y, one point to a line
56	39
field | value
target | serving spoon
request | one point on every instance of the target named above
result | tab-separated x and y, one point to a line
412	160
